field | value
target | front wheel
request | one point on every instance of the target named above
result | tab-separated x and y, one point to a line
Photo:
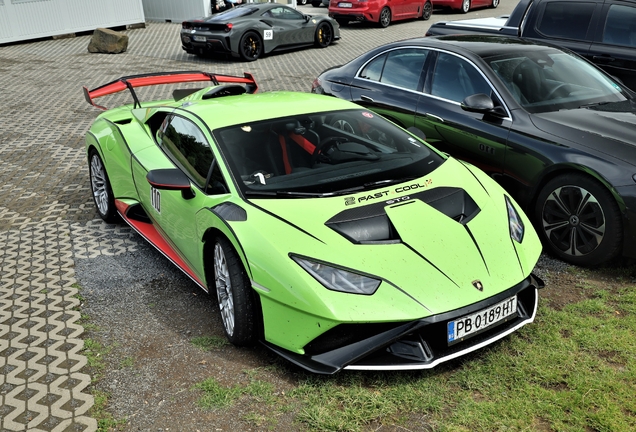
385	17
100	186
324	35
427	10
465	6
250	46
495	3
234	295
302	2
578	220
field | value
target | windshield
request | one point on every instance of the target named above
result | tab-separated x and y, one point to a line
322	154
551	80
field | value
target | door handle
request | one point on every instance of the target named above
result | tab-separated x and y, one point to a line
366	98
603	59
438	118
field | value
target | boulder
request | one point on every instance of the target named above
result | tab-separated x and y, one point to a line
108	41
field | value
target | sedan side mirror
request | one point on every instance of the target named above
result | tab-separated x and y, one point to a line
479	103
170	179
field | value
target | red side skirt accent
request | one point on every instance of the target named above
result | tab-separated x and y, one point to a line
150	233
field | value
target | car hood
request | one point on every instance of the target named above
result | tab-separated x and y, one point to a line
608	129
433	255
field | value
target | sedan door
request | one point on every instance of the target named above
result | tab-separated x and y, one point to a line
390	84
480	139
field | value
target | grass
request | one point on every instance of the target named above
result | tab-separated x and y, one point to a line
574	369
207	343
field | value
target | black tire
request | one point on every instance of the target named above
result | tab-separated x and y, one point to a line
250	46
234	295
494	4
385	17
465	6
316	4
428	10
100	187
301	2
342	21
578	220
324	35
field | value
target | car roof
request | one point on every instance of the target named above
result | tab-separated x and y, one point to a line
483	46
261	106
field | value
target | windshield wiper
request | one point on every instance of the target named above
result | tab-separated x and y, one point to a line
290	194
388	182
593	104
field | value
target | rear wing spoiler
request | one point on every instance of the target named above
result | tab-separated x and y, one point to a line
134	81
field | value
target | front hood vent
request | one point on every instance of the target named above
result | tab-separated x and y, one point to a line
371	224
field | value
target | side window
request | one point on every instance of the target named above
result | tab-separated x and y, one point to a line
455	79
373	70
285	13
187	147
568	20
401	68
620	27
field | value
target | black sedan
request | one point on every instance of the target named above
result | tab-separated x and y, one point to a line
251	30
555	131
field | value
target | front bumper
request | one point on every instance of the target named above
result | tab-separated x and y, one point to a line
412	345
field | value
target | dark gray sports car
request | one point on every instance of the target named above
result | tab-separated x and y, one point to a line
251	30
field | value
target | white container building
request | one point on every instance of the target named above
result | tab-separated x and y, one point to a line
31	19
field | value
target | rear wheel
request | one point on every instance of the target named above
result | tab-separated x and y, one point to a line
578	220
234	294
427	10
465	6
342	21
385	17
316	3
250	46
324	35
100	186
302	2
495	3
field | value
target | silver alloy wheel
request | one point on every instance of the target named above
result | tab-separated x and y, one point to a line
573	220
344	125
99	185
495	3
385	17
224	289
465	6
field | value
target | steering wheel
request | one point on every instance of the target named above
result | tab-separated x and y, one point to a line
558	88
325	145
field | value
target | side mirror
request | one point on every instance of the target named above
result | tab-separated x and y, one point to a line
307	18
479	103
170	179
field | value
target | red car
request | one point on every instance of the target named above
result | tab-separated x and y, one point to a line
464	6
382	12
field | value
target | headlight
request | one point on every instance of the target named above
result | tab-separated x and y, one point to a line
514	221
337	279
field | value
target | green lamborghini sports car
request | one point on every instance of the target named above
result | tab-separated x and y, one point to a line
329	234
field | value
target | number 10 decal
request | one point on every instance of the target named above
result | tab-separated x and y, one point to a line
155	199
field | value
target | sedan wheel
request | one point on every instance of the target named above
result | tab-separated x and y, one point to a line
495	3
385	17
324	35
428	10
465	6
302	2
100	186
250	46
579	220
234	294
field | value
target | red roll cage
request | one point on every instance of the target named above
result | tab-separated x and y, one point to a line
134	81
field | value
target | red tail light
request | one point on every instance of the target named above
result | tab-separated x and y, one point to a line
228	27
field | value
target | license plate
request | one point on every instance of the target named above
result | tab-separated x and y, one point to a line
199	38
465	326
344	5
